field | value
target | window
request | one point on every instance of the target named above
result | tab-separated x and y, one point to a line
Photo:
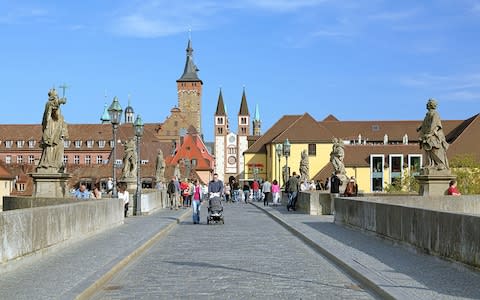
19	159
219	120
144	161
312	149
90	144
31	159
21	187
8	144
396	168
118	162
101	144
99	159
20	144
232	150
88	159
414	164
243	121
8	159
112	143
220	130
376	169
31	143
65	159
76	159
78	144
66	143
244	130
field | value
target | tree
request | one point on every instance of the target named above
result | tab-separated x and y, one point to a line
467	170
407	184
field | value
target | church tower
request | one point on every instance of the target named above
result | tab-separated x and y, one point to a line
257	123
189	90
221	131
243	132
129	113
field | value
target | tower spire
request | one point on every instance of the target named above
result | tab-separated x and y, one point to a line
243	105
190	70
220	105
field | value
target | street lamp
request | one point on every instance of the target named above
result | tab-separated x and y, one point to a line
115	112
286	153
138	127
278	150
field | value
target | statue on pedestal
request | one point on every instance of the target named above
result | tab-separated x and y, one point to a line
432	139
129	160
304	166
54	131
337	155
160	167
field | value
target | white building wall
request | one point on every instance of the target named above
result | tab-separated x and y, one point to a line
220	156
242	146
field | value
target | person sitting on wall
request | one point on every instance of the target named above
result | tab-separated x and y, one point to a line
452	190
82	192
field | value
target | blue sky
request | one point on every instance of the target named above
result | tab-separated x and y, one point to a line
357	60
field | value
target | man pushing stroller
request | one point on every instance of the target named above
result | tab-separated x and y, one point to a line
215	208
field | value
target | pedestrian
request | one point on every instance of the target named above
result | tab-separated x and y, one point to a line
109	185
227	190
266	190
275	192
313	186
327	184
246	191
172	193
124	195
256	190
215	187
452	190
293	186
191	187
304	186
335	183
185	190
235	189
82	192
352	188
96	193
196	201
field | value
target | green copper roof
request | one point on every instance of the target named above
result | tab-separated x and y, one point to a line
105	116
257	113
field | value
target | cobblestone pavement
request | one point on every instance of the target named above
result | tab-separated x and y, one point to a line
66	272
251	256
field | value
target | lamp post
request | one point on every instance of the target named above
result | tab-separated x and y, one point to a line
286	153
278	150
138	127
115	112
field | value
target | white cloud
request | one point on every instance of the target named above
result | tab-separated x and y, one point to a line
22	14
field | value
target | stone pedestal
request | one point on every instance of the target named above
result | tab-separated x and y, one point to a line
434	182
344	179
52	185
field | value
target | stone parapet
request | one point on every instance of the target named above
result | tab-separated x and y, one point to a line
314	203
450	234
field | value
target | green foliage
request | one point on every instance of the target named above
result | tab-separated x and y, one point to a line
407	184
467	170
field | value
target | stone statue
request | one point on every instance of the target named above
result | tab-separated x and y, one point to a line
54	131
160	167
304	167
285	174
188	167
129	160
432	139
337	155
176	172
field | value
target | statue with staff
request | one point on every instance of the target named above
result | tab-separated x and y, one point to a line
54	132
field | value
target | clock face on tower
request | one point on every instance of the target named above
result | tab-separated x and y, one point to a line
232	160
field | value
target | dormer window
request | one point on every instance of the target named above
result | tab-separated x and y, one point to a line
101	144
31	143
90	144
8	144
66	143
20	144
112	143
78	144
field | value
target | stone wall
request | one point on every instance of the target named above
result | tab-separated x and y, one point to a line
313	202
30	231
20	202
428	226
153	199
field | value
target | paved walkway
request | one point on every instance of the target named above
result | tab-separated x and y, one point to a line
67	272
396	270
250	257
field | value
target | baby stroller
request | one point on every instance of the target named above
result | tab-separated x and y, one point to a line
215	210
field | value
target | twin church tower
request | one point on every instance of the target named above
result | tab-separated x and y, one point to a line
229	146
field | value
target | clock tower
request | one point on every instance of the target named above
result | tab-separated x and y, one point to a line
189	90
